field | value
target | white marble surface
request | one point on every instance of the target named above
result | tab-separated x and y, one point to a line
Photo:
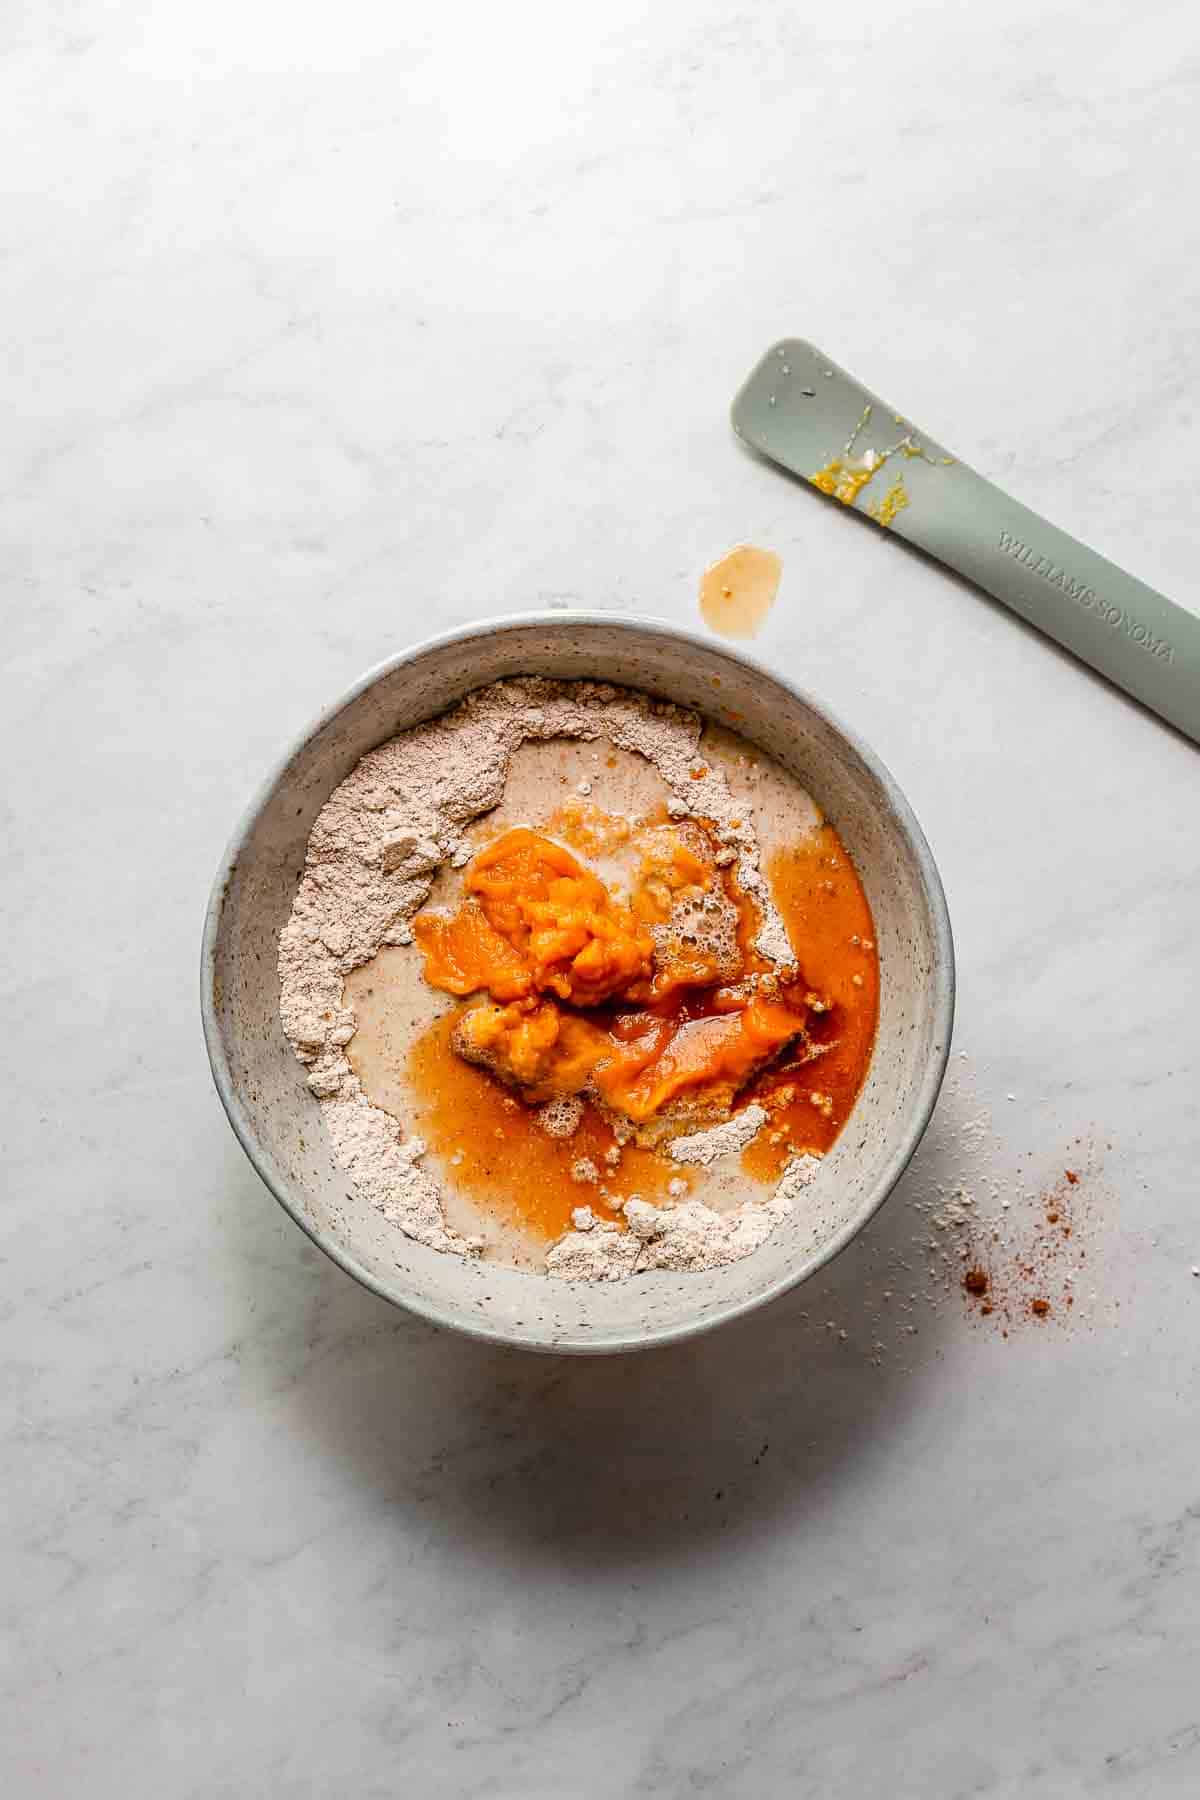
329	326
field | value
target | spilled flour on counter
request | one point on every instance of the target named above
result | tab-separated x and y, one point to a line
372	855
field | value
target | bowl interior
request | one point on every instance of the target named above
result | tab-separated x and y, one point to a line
278	1121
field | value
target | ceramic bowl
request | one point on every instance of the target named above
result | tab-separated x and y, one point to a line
278	1122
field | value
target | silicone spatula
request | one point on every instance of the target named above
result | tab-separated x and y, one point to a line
802	411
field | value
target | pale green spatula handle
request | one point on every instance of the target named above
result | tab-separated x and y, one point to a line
799	408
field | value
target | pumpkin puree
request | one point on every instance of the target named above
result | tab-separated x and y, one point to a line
569	999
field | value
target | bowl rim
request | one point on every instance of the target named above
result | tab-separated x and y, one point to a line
942	978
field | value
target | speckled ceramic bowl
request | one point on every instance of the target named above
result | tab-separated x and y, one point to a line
277	1120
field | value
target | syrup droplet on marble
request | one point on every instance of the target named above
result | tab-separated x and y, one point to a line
738	591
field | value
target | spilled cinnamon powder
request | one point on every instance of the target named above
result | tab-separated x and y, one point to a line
968	1242
1031	1273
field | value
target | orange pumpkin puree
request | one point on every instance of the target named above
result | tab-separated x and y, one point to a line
575	1004
708	1058
540	922
534	1045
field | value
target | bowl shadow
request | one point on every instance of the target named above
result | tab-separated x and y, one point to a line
603	1461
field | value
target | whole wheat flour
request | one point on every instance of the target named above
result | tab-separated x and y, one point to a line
703	1147
373	851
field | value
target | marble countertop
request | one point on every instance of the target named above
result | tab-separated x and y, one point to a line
330	327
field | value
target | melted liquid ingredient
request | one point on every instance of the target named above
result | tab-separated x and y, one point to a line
492	1148
816	888
737	593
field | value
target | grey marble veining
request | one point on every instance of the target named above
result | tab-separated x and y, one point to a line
331	328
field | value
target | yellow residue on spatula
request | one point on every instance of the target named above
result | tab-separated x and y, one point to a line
738	592
844	477
894	501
